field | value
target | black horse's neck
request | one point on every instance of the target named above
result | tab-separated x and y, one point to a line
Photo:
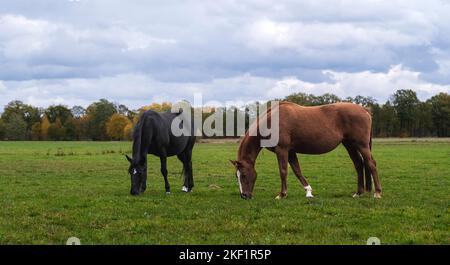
140	143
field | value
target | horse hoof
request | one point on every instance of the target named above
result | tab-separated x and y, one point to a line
356	195
377	195
184	189
279	197
167	192
309	196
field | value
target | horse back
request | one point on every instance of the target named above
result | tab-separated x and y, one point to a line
163	140
320	129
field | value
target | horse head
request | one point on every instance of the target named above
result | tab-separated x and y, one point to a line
136	172
246	177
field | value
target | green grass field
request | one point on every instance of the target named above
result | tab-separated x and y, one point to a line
50	191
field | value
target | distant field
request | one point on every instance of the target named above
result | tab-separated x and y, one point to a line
50	191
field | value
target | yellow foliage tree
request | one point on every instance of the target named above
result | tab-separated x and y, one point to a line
128	131
45	123
36	131
163	107
116	125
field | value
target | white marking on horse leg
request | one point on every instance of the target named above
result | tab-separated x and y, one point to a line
356	195
185	189
281	196
377	195
167	192
238	174
308	190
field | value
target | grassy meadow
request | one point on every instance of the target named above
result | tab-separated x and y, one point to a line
50	191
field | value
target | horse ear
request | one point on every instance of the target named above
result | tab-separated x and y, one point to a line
128	158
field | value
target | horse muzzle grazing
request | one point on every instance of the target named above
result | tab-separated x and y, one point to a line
246	196
134	192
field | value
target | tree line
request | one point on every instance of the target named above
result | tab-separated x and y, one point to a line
403	115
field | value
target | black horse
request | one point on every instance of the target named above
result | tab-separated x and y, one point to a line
153	135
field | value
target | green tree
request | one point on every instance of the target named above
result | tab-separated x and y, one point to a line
440	114
362	100
70	129
326	98
99	114
423	122
388	122
15	127
301	99
28	113
405	103
2	129
58	111
78	111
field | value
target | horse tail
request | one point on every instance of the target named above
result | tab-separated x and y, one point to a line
367	171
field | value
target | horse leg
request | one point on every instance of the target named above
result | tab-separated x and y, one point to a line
368	177
359	167
187	172
144	179
189	163
282	156
164	173
293	161
371	164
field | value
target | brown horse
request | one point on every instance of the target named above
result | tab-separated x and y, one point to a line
311	130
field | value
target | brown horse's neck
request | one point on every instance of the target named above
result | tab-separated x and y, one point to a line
249	149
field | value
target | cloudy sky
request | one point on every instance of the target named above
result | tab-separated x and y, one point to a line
137	52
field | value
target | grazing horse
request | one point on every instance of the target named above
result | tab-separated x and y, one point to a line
153	135
311	130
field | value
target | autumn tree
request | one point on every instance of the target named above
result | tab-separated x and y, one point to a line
116	125
163	107
56	131
36	131
128	131
81	127
45	124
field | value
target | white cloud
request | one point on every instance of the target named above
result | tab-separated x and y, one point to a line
267	35
85	50
378	85
137	90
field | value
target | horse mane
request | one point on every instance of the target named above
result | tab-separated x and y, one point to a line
137	139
